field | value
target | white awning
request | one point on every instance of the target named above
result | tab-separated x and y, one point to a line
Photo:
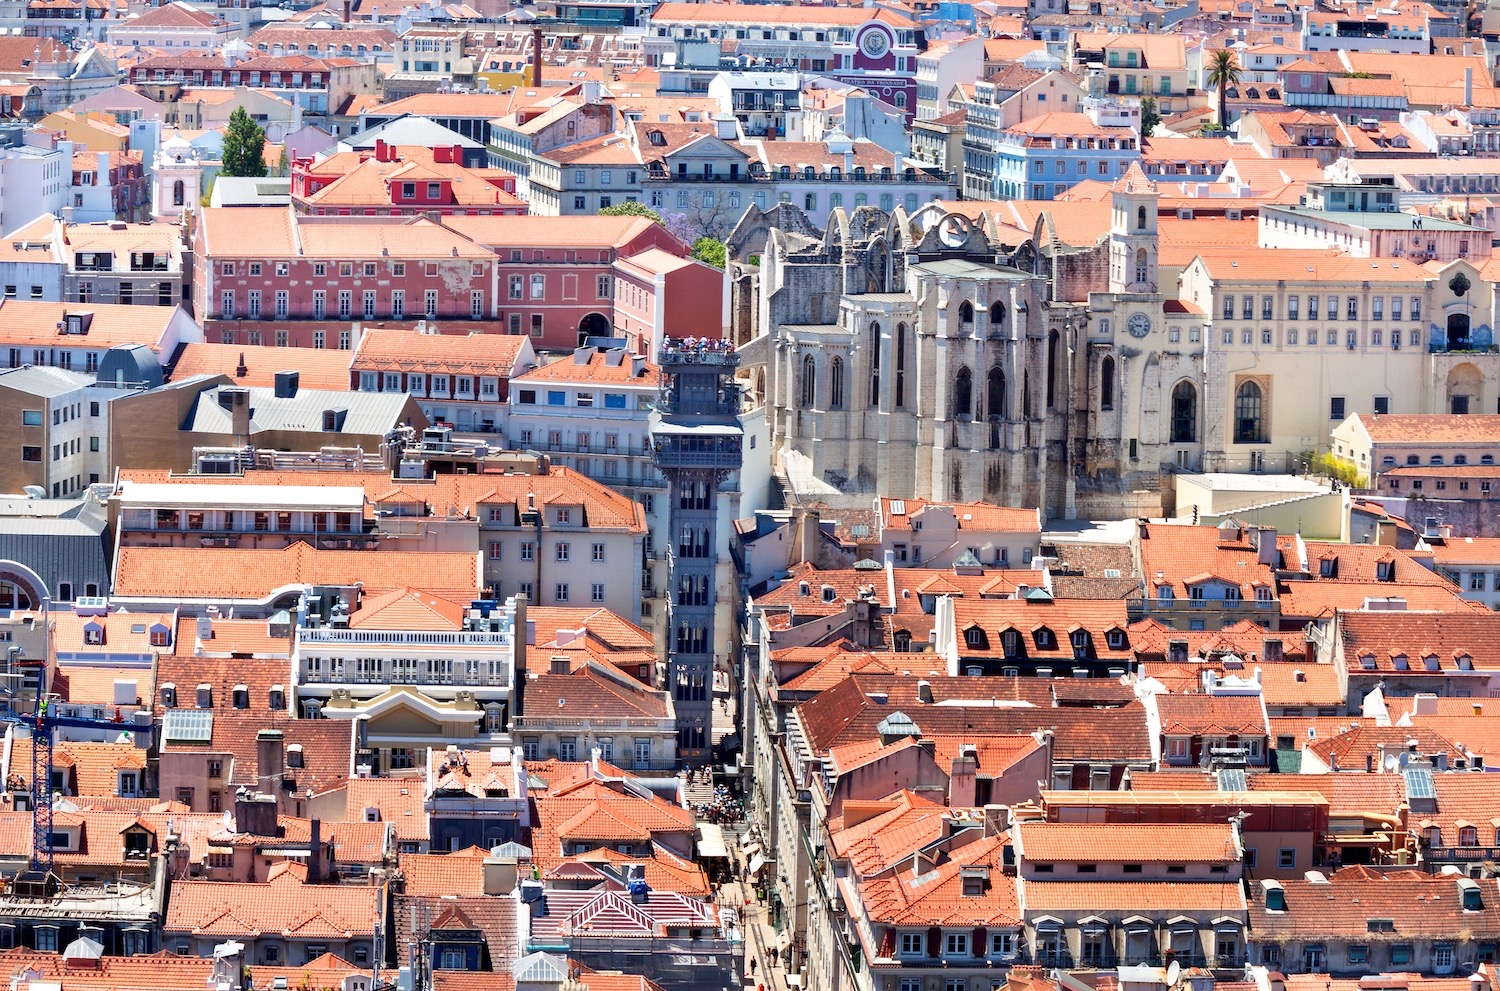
711	841
757	862
747	841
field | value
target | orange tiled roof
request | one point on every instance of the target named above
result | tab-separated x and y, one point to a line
1119	842
406	350
285	905
236	573
1419	906
874	835
459	873
939	899
398	801
316	368
1147	897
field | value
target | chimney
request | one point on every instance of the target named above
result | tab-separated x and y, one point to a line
255	814
205	628
315	853
270	757
962	783
924	691
1468	84
536	56
348	10
500	876
380	149
241	370
520	637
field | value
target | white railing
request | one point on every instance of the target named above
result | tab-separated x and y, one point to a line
435	638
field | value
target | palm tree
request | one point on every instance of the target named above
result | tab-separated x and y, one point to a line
1223	72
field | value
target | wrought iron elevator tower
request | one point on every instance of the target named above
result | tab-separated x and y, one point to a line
696	443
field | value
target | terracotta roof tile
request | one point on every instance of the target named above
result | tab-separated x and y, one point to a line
1120	842
887	831
1147	897
473	354
235	573
283	905
459	873
1419	906
939	900
1450	637
398	801
316	368
1203	715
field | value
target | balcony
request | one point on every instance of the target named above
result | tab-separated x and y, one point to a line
592	724
677	352
1189	605
387	675
418	638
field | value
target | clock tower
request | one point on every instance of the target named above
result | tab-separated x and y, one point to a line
1132	234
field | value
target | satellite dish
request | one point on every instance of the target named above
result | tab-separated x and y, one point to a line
1390	762
1174	971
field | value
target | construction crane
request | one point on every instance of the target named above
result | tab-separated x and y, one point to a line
43	724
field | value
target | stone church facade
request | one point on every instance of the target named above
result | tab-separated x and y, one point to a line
932	356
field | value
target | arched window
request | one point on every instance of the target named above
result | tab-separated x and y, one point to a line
900	366
809	382
1052	342
179	193
995	392
1184	413
1140	218
963	393
836	383
966	312
997	314
1142	265
1107	384
1249	416
874	364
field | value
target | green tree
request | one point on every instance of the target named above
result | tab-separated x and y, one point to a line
710	251
208	193
630	208
1223	72
244	146
1150	116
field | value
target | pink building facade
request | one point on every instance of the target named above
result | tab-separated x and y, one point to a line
277	278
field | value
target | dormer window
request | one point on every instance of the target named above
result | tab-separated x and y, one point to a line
804	589
974	637
1116	639
1044	640
1385	571
975	880
294	756
1011	641
1328	567
1367	662
160	637
1399	663
829	593
1430	662
1465	662
93	633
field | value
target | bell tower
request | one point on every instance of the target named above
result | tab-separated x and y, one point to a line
1132	233
176	181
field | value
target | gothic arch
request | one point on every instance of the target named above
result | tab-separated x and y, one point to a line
994	400
963	392
1184	413
1107	383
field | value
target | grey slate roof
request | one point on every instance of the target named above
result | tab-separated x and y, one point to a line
43	381
354	412
61	540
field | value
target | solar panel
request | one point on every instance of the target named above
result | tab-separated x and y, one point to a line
1419	783
188	726
1233	779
